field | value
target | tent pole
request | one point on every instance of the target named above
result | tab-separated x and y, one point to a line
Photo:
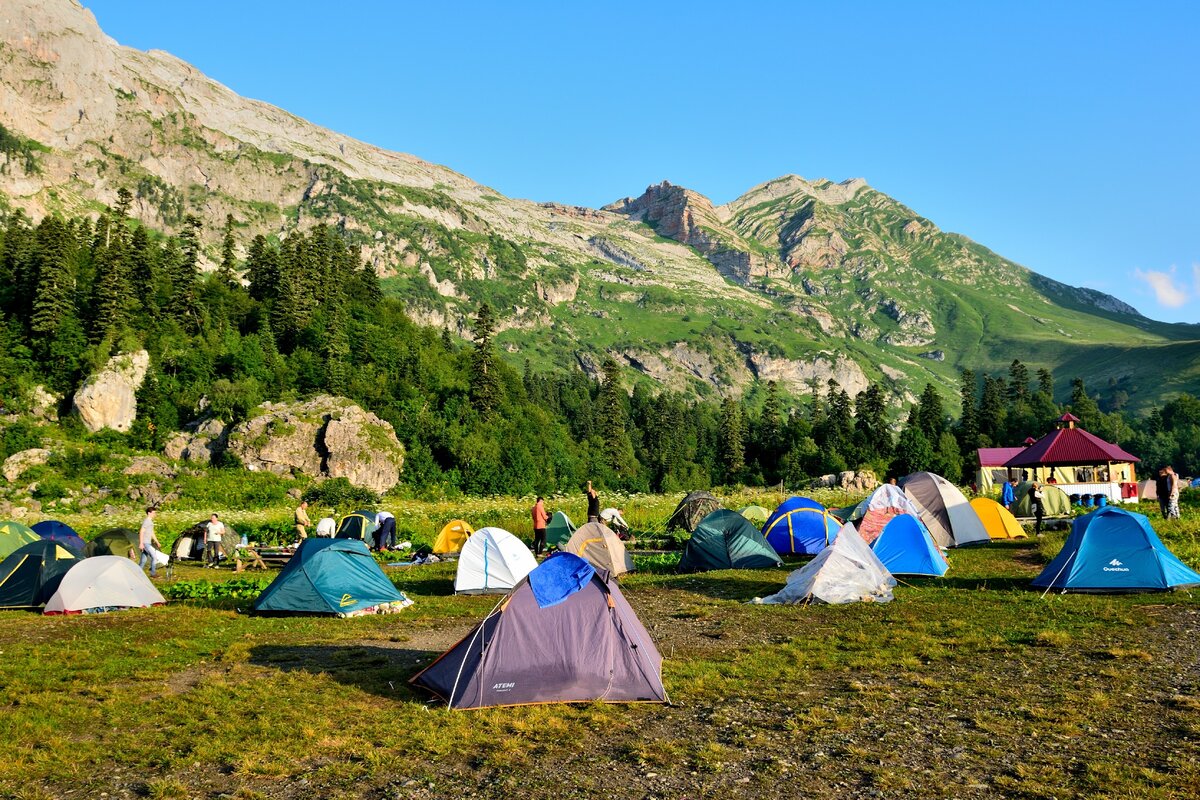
1056	577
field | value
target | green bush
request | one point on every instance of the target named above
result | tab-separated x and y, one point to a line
50	488
232	489
236	588
19	436
341	494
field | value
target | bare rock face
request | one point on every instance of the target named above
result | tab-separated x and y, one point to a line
328	437
18	464
43	404
149	465
798	375
200	445
108	399
848	480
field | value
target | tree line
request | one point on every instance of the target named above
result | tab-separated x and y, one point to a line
304	315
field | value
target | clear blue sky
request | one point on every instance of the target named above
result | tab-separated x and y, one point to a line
1065	136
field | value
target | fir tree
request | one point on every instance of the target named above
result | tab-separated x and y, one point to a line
1045	383
611	423
733	453
1018	382
968	425
485	380
914	453
872	438
53	300
182	305
227	272
930	416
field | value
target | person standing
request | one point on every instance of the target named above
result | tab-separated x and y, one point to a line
1172	493
593	504
147	542
1008	495
540	518
1035	505
1162	490
302	521
213	531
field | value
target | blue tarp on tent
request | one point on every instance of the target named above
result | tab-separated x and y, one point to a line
558	577
59	532
800	525
906	548
1113	550
328	576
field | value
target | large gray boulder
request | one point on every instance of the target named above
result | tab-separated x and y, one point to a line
327	437
200	445
18	464
108	399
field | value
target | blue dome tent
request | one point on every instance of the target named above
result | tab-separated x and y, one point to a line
801	526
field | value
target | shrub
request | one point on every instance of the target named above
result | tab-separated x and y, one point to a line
232	488
19	436
340	493
50	488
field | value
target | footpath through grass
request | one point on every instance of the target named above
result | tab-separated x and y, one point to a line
969	686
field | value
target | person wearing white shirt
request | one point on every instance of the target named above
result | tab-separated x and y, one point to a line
213	532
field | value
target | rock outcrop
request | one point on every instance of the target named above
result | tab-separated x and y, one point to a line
206	439
327	437
798	376
108	399
18	464
848	480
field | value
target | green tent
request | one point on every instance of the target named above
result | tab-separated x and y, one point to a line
30	575
14	535
328	576
114	542
757	515
1055	502
559	529
726	540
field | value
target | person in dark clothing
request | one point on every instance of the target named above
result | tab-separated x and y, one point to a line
1035	505
540	518
1162	488
593	500
385	534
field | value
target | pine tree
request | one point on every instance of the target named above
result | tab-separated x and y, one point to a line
53	300
930	416
968	424
227	272
182	305
914	453
992	411
770	444
1018	382
872	438
610	406
485	379
733	452
1045	383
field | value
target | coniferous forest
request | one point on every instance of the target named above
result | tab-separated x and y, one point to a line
303	316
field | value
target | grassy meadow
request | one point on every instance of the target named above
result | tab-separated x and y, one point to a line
966	686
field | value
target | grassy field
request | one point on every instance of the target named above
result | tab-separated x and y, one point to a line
967	686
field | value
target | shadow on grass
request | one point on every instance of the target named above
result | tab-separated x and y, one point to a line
383	671
418	584
727	584
993	583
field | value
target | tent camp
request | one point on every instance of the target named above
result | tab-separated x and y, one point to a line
566	634
1113	550
905	547
726	540
601	547
800	525
878	509
997	520
559	529
452	537
691	509
945	512
31	574
757	515
190	543
60	532
492	560
1055	502
113	542
357	525
13	536
103	583
846	571
330	576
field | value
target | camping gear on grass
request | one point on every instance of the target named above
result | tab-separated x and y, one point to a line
601	547
113	542
103	583
559	529
330	576
357	525
997	520
565	634
452	536
906	548
32	573
13	536
190	543
800	525
757	515
944	510
492	560
726	540
691	509
60	532
846	571
1113	550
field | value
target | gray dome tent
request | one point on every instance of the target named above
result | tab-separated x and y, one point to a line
691	509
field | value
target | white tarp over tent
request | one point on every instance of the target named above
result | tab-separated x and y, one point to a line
103	582
847	571
492	560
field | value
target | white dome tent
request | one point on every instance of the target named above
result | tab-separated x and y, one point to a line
492	560
103	583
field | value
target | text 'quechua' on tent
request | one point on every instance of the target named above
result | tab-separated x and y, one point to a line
726	540
800	525
1113	550
330	576
31	575
492	561
944	510
846	571
566	634
600	546
103	583
452	537
691	509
